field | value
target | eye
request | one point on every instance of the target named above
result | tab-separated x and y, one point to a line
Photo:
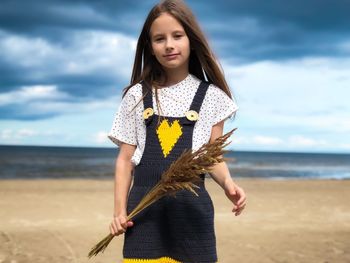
178	36
157	39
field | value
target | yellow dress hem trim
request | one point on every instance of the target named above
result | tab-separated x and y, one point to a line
158	260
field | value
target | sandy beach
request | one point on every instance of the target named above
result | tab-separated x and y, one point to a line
285	221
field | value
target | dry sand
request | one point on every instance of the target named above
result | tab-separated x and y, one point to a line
285	221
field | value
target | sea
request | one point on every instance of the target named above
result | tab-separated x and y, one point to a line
43	162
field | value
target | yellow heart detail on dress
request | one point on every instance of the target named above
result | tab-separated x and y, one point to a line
168	135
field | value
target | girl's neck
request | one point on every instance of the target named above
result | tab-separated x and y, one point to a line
175	77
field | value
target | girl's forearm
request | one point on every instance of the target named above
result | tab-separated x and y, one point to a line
221	174
122	182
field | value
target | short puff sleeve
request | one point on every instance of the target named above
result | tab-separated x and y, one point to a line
124	124
223	106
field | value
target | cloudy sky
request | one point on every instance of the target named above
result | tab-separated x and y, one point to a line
63	65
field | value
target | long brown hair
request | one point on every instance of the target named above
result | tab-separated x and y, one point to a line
202	61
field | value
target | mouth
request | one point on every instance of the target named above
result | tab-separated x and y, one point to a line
172	55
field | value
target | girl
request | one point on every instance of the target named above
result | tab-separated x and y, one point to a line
179	110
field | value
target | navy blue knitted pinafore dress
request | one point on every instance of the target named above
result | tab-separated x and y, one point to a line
173	229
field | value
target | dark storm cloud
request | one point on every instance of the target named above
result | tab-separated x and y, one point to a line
11	76
87	87
318	15
40	16
284	29
239	31
277	30
19	112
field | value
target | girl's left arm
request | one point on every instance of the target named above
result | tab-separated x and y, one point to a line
221	174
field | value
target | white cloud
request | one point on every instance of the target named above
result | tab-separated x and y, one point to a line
20	135
32	93
87	52
49	100
306	95
299	140
27	52
68	107
101	137
266	140
5	134
95	51
345	146
296	86
10	135
25	133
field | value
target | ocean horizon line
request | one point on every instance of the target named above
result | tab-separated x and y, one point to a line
111	148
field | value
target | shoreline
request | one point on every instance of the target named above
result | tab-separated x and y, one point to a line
207	178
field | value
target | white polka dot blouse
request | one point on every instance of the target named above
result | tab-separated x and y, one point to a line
129	127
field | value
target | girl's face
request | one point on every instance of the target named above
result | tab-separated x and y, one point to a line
170	44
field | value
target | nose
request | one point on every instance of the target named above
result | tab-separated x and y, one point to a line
169	44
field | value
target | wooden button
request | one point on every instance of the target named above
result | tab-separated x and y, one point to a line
147	113
191	115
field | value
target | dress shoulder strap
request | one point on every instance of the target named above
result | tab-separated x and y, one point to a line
147	96
199	96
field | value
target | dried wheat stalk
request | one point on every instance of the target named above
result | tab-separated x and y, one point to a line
183	174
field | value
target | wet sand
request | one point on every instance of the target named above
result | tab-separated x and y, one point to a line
285	221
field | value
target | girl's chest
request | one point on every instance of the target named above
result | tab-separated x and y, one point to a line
171	102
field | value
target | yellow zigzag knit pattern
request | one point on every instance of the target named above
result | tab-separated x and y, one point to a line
158	260
168	136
